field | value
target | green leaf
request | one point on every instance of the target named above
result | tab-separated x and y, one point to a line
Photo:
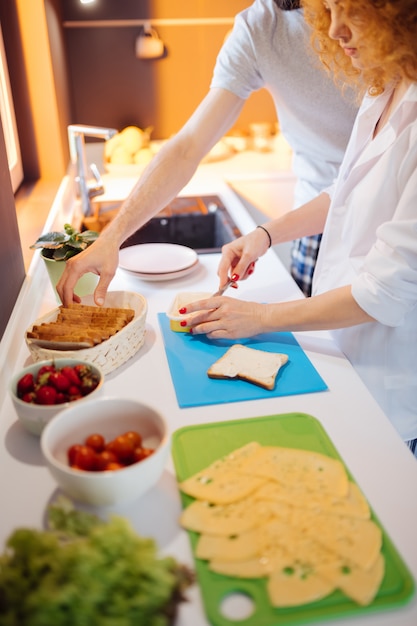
51	240
89	236
76	244
70	230
66	243
62	254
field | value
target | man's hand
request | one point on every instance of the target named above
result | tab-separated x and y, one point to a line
101	258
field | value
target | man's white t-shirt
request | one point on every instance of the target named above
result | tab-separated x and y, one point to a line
270	48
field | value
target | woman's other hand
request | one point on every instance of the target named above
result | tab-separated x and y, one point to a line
239	256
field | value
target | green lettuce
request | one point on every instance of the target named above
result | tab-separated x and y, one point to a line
87	572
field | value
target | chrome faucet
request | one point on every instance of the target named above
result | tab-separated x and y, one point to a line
86	188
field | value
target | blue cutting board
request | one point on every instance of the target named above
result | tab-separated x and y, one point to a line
189	357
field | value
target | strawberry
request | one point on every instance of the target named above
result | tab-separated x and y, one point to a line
29	397
71	374
59	381
88	384
46	395
74	390
25	385
46	368
43	378
82	369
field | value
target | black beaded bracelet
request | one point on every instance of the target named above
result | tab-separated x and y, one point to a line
269	236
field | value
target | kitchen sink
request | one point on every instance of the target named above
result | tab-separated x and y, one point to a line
199	222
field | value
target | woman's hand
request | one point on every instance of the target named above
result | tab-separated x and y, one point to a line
239	257
224	318
101	258
229	318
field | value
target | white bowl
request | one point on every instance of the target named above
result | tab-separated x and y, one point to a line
34	417
110	417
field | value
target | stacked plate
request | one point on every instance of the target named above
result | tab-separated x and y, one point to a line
158	261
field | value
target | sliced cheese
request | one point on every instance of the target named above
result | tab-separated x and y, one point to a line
295	468
295	584
255	567
223	519
257	541
304	526
221	482
361	585
354	504
358	540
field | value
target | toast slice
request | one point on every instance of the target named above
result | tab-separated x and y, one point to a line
254	366
80	326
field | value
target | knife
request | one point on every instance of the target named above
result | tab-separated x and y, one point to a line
221	291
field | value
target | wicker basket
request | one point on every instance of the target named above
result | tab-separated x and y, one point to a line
113	352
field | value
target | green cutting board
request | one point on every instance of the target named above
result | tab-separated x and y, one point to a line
195	447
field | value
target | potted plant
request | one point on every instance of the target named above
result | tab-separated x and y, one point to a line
59	246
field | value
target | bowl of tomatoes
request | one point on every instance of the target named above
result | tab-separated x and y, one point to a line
42	390
108	451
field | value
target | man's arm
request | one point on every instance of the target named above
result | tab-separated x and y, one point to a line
165	176
176	162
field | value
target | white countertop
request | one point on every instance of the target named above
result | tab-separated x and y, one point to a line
374	453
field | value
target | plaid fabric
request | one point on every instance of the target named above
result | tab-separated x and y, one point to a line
412	444
303	260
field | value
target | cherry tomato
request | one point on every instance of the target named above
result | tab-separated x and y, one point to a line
142	453
95	441
104	458
114	466
85	459
72	453
97	455
122	448
134	437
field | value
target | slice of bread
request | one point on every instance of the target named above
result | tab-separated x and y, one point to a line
80	324
255	366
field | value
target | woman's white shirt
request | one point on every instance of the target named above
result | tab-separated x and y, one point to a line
370	242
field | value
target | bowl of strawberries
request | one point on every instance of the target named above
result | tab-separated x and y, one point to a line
42	390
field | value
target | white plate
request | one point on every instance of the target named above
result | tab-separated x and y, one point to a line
157	258
168	275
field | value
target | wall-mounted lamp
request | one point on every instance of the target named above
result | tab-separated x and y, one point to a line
148	44
87	1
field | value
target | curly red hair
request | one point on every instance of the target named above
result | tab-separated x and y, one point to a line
390	27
